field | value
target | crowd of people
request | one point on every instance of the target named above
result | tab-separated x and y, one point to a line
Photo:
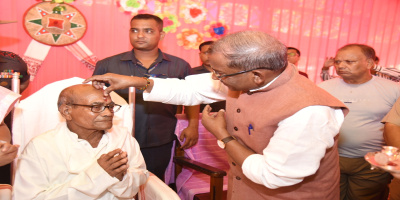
285	136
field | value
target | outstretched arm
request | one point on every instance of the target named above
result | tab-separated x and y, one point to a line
193	90
117	82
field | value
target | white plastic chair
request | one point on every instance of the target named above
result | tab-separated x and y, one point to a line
5	192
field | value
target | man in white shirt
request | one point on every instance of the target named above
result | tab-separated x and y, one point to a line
280	129
84	157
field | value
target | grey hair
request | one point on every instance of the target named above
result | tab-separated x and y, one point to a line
248	50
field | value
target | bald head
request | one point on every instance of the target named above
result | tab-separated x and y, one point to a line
75	93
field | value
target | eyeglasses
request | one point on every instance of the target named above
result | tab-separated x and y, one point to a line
100	108
220	76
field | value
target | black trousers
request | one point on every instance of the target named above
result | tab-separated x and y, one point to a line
157	158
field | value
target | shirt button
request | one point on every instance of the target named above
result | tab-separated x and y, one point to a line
234	164
238	110
235	128
238	178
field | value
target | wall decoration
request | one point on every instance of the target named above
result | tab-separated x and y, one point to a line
165	2
190	38
216	30
193	12
132	7
171	22
58	1
53	24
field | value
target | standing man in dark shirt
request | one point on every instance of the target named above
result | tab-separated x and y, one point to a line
154	122
206	68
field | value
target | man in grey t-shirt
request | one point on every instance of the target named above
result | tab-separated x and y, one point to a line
369	98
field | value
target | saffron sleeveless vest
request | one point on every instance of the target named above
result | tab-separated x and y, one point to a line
264	110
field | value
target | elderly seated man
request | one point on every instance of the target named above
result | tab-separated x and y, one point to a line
84	157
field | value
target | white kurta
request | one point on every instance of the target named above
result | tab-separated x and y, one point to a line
58	165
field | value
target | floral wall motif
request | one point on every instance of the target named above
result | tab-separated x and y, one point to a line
317	27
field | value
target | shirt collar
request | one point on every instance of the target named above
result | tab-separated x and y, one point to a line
265	86
131	56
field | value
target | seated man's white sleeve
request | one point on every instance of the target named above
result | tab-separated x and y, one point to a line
296	149
31	180
136	175
193	90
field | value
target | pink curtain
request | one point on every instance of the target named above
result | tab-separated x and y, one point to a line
317	27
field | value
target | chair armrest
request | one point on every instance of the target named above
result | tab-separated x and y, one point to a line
198	166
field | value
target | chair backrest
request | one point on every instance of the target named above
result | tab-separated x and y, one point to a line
38	113
205	151
5	192
8	99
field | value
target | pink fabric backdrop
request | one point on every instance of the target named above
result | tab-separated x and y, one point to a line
317	27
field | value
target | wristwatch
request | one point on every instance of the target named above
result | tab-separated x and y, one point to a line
223	142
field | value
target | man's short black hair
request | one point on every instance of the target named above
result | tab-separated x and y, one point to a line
150	16
206	43
297	51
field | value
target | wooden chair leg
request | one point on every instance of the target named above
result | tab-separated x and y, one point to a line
216	186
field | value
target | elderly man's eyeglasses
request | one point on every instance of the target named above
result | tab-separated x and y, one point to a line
220	76
100	108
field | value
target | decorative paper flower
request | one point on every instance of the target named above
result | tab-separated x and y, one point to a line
131	6
190	38
171	22
216	29
193	12
165	2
